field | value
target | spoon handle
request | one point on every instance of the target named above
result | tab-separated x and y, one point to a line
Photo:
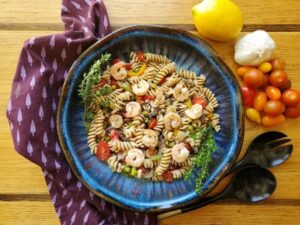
235	167
198	204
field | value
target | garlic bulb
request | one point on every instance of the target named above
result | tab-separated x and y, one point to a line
254	48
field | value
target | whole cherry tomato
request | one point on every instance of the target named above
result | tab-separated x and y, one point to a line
265	67
167	176
277	63
199	100
270	121
293	112
242	70
273	93
278	78
103	151
273	108
254	78
248	96
260	100
291	97
253	115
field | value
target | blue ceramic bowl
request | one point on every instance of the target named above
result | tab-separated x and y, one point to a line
189	52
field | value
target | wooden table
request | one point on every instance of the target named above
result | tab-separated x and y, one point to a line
23	194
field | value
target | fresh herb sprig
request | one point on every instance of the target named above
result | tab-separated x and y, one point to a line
204	155
93	77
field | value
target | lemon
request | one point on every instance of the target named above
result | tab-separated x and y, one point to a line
219	20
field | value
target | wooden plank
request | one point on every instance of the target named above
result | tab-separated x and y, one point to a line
31	179
40	213
46	14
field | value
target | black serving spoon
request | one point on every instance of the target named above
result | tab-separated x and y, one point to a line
250	184
266	150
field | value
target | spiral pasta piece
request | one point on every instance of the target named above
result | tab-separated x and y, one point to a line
114	164
121	146
148	164
189	75
96	128
155	58
164	162
167	69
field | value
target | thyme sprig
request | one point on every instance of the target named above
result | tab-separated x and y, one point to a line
204	155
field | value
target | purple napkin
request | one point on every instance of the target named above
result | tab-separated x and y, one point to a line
43	65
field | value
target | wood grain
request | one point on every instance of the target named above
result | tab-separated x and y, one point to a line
24	196
33	14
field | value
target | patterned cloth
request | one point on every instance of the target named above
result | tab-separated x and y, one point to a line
42	68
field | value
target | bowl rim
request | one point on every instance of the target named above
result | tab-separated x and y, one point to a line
153	28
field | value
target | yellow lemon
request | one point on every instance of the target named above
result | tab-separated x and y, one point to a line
219	20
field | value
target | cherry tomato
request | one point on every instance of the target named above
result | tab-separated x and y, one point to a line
277	63
260	100
273	93
254	78
114	135
265	67
265	81
149	97
291	97
103	151
115	61
140	99
114	83
140	56
273	108
242	70
150	152
288	85
253	115
270	121
278	78
248	96
152	123
128	66
167	176
293	112
199	100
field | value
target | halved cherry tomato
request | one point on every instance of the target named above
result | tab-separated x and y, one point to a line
140	99
260	100
278	78
293	112
149	97
270	121
115	61
291	97
277	63
103	151
242	70
273	108
153	123
248	96
140	56
273	92
167	176
114	135
128	66
254	78
115	83
199	100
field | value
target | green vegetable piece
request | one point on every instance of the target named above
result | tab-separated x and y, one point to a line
145	113
191	128
126	169
133	172
153	85
155	157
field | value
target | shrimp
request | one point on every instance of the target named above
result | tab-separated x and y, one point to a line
180	92
116	121
195	112
172	121
133	109
118	71
140	88
180	153
150	138
135	157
